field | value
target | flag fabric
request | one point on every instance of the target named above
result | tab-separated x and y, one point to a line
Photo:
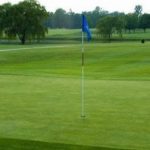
85	28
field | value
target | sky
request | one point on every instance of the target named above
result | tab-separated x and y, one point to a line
126	6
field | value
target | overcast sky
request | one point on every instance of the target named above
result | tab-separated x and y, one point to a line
87	5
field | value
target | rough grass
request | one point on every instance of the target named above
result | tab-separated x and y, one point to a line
40	96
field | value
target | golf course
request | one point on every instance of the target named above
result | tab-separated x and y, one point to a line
40	96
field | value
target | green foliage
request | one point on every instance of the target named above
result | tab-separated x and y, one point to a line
131	22
28	20
138	10
144	21
3	17
25	19
60	18
108	25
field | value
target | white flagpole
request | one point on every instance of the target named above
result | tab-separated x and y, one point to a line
82	79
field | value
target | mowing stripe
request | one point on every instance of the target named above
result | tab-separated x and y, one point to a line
18	49
19	144
45	47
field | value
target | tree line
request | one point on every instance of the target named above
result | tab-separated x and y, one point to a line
29	20
118	22
62	19
105	22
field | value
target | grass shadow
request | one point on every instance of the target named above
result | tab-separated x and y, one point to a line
17	144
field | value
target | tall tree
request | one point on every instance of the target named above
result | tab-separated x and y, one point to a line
4	16
108	25
138	10
144	22
60	18
131	22
26	20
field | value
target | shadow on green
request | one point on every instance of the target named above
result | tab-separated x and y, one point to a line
17	144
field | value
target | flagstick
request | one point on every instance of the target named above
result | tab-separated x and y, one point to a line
82	79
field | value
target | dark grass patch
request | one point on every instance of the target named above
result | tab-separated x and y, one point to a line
17	144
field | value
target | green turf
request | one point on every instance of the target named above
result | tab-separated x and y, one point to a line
17	144
63	32
40	95
69	36
75	34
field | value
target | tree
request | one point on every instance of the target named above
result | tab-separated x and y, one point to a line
108	25
26	20
95	15
138	10
144	22
49	22
120	24
105	27
131	22
76	21
3	16
60	18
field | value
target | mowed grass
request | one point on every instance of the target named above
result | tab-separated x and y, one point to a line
75	34
40	97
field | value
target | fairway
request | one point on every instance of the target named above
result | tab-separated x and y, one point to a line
40	96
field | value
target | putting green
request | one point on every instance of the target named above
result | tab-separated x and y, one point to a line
40	95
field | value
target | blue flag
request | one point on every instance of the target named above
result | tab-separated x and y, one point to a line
85	28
